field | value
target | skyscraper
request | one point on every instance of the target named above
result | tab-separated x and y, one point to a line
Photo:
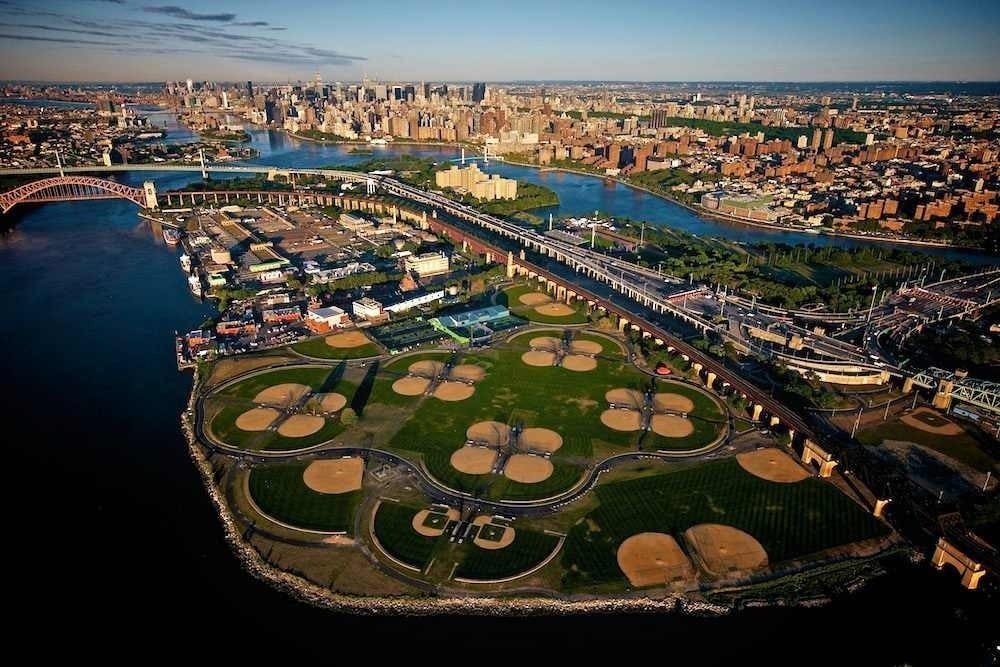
659	118
250	89
478	92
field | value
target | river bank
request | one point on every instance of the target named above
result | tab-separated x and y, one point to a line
703	212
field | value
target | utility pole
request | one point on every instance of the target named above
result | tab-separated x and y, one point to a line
856	423
59	164
885	416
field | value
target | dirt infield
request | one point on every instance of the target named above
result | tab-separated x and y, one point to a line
492	433
630	398
426	368
299	426
468	373
622	420
534	298
549	343
536	358
335	475
672	402
453	391
930	421
427	531
505	540
282	394
585	347
347	339
474	460
671	426
540	439
579	362
257	419
527	468
773	465
648	559
411	386
332	402
554	310
726	551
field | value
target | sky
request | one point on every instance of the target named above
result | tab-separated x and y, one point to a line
469	40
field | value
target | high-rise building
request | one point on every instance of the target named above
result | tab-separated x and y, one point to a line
817	139
478	92
659	119
828	139
190	86
250	89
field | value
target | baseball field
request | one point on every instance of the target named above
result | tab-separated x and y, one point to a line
282	491
528	302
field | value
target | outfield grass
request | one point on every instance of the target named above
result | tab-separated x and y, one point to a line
394	531
963	448
317	347
279	492
311	376
513	303
223	424
789	520
528	549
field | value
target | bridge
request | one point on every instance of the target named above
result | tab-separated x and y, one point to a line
69	188
949	386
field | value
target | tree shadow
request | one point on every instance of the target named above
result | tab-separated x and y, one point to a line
364	392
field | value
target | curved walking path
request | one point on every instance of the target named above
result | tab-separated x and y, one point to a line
429	484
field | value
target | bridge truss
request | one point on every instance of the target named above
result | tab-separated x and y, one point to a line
981	393
70	188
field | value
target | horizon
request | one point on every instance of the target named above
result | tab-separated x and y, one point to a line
142	40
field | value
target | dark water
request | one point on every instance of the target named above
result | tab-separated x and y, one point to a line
112	543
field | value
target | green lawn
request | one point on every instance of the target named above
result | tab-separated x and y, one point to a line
963	448
279	491
527	550
789	520
512	300
311	376
317	347
394	530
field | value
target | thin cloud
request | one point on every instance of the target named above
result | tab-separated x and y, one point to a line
38	26
252	24
32	38
181	13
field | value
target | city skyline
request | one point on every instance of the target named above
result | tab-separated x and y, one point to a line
142	41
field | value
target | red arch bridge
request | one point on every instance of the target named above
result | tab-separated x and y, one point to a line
70	188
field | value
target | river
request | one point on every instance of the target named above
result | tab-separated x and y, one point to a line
114	547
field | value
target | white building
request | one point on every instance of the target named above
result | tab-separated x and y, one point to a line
367	308
414	301
426	264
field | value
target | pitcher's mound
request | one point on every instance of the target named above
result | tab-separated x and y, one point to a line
427	368
541	439
549	343
282	394
334	475
347	339
726	551
671	426
534	298
453	391
468	373
490	433
648	559
622	420
257	419
490	535
773	465
332	402
672	403
585	347
299	426
474	460
527	468
579	363
554	310
629	398
411	386
420	518
536	358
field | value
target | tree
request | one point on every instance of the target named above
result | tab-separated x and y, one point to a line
348	417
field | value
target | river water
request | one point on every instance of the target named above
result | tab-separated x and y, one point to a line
112	541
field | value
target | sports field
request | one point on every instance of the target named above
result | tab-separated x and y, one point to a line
281	492
529	302
918	429
328	347
528	549
251	414
394	531
790	520
512	392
